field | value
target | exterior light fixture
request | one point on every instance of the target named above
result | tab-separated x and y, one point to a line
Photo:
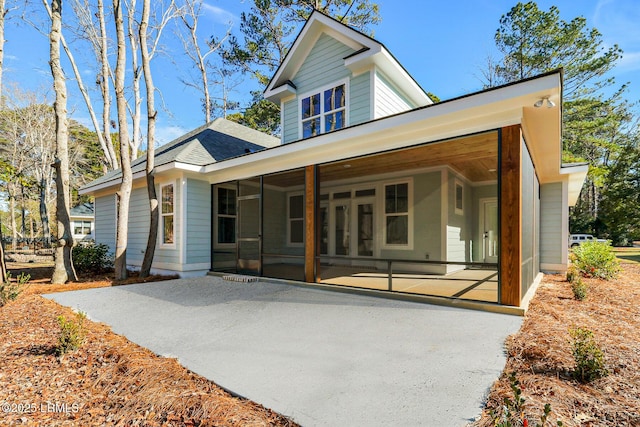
540	102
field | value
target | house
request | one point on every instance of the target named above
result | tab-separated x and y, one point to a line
371	185
81	217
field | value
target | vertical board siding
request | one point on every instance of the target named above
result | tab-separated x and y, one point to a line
388	100
551	223
105	221
360	99
198	221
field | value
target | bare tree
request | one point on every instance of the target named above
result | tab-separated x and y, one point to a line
31	126
136	70
190	16
124	193
145	269
63	270
3	13
105	142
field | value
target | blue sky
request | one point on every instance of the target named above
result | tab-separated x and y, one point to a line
443	44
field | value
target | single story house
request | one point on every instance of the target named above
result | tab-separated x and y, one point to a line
371	184
81	217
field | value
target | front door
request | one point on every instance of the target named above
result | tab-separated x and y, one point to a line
490	230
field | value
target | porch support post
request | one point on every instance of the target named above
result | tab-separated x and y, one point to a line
311	242
510	215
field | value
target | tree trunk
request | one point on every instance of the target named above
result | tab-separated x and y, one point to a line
151	126
44	215
14	226
3	266
105	141
104	86
3	12
63	270
124	193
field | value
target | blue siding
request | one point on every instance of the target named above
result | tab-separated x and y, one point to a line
198	221
138	225
551	223
171	255
105	221
290	121
388	100
323	65
360	106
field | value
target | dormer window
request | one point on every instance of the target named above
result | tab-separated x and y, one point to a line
324	111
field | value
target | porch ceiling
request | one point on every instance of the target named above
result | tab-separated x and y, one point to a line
475	157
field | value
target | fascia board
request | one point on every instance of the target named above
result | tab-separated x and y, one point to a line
309	35
475	113
280	93
576	176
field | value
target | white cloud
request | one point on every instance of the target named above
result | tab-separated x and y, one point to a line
618	20
630	61
166	134
219	14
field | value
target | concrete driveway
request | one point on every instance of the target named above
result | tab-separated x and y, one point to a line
323	358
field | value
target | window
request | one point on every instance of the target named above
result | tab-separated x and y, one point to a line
226	214
296	219
459	198
82	227
324	111
167	215
396	210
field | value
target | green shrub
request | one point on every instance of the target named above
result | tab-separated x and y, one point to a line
572	273
596	259
9	290
513	410
588	356
579	289
72	333
92	258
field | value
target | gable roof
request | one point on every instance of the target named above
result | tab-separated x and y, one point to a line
368	52
217	140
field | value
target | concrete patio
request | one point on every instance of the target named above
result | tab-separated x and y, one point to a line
323	358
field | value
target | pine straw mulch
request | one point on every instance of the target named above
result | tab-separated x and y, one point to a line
108	381
540	354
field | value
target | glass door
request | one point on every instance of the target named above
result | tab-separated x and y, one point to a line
249	229
342	223
364	226
490	234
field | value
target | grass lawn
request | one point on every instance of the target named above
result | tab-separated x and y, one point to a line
628	254
108	381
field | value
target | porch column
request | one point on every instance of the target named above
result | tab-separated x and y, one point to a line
311	186
510	216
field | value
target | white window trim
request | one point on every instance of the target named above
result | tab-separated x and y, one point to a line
161	243
217	244
80	223
383	216
458	210
289	219
320	91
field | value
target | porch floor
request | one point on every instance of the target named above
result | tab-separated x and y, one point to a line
471	284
